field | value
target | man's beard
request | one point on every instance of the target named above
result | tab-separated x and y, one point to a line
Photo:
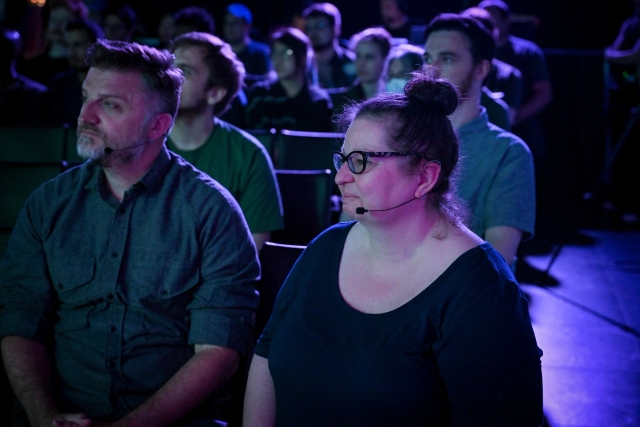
92	150
465	86
318	47
197	110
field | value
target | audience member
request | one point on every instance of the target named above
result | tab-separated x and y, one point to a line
23	102
371	47
166	30
213	77
66	87
334	65
397	20
405	317
52	58
120	23
289	102
402	61
623	57
527	57
193	18
497	179
254	55
503	78
133	274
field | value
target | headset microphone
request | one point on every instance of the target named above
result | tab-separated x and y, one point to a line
109	150
360	210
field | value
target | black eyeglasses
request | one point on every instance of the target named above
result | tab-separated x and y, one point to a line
357	160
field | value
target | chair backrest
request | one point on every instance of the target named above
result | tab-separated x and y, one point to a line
28	158
32	145
266	137
276	260
298	150
306	201
71	151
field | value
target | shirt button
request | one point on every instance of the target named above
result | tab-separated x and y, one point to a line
112	364
165	292
122	210
113	329
115	254
110	296
60	286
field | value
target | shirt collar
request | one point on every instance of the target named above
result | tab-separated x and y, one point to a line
152	179
475	125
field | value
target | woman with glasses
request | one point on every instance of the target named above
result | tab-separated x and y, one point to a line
288	102
404	317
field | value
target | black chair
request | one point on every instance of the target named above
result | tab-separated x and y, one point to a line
71	155
299	150
28	158
276	260
266	137
306	201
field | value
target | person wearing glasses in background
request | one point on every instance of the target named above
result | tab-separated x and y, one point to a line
333	65
404	317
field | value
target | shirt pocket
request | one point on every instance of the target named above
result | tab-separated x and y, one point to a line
74	284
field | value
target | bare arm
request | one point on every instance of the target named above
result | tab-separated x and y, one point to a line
505	240
209	368
27	365
259	399
259	239
540	98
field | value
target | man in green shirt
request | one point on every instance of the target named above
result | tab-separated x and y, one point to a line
213	77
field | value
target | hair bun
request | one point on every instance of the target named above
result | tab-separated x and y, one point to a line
434	93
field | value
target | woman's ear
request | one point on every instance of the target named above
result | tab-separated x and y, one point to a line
429	175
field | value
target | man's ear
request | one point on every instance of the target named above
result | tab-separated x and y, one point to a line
429	175
159	126
215	95
483	69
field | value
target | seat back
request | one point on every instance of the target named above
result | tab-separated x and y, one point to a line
298	150
266	137
306	201
28	158
276	260
32	145
71	150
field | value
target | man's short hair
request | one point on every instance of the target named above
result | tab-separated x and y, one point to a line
295	40
240	11
162	79
481	42
225	70
126	14
326	10
481	15
91	28
498	4
197	18
376	35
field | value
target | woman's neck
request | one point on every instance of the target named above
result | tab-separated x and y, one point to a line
403	232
